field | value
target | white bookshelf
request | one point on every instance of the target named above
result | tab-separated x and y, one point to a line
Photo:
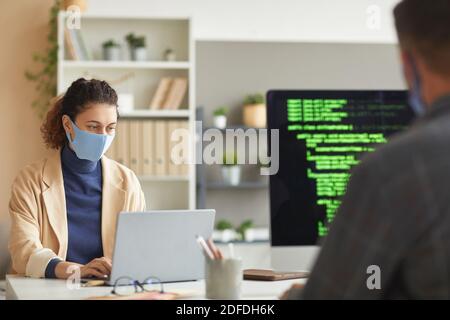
162	178
156	114
162	65
161	192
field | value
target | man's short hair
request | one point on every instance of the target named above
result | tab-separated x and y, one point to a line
423	27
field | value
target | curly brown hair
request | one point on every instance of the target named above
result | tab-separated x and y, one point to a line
78	97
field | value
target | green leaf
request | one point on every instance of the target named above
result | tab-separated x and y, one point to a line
45	77
224	225
220	111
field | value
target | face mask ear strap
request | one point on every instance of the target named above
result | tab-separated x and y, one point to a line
415	71
415	93
73	129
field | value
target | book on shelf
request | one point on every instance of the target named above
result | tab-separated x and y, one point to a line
161	93
148	146
176	94
121	143
183	169
76	45
145	146
161	148
72	54
173	157
86	53
135	146
169	94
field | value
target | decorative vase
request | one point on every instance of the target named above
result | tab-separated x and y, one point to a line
254	115
112	53
139	54
231	174
220	122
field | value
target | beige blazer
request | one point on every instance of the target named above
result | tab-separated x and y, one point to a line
39	218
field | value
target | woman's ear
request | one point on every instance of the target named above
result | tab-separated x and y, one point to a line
67	126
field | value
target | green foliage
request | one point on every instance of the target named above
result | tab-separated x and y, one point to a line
135	41
223	225
110	44
230	159
46	75
243	227
247	224
220	111
257	98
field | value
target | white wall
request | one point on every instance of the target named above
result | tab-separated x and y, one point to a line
268	20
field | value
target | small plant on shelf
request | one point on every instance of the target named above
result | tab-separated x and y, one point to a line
244	226
135	41
254	113
223	225
110	44
257	98
231	171
225	231
170	55
137	45
220	117
111	50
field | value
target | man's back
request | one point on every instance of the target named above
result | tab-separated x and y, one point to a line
395	219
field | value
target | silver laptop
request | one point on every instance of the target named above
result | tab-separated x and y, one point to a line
160	244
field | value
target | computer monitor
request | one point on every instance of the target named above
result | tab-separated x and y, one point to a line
322	135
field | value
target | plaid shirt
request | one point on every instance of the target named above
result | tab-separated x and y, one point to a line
395	215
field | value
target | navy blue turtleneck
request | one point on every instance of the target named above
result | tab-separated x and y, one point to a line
83	189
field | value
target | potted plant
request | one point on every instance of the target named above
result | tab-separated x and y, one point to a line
224	231
220	117
243	228
111	50
231	171
254	111
138	50
169	55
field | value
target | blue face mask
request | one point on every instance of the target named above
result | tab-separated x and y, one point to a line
415	97
89	146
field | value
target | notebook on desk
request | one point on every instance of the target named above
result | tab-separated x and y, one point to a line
271	275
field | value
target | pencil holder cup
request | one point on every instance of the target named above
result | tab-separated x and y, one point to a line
223	278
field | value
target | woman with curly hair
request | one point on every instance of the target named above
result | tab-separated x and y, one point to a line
64	208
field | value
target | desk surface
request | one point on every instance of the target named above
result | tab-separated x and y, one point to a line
19	287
